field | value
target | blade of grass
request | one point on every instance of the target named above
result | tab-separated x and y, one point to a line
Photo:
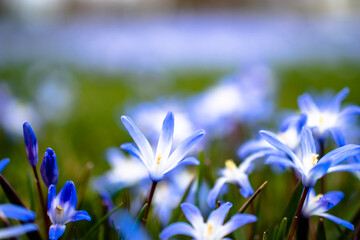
251	198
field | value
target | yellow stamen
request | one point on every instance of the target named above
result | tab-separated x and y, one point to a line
314	159
210	228
230	164
321	119
317	197
283	137
59	209
158	158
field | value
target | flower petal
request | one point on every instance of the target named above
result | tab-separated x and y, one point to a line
166	136
308	147
349	112
68	194
334	106
183	149
340	154
3	164
56	231
80	215
51	195
177	228
192	214
17	230
237	221
217	216
133	150
214	192
351	167
253	146
246	189
318	171
283	162
307	104
272	139
139	138
334	197
338	220
15	212
338	136
189	161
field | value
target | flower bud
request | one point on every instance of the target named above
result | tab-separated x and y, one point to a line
49	169
31	145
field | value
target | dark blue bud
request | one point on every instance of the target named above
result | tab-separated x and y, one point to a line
49	169
31	145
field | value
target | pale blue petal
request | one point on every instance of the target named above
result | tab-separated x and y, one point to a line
56	231
237	221
51	195
218	215
214	192
68	194
17	230
318	171
16	212
349	112
3	163
246	190
340	154
189	161
277	160
352	167
192	213
133	150
338	136
297	121
307	104
272	139
182	150
166	136
247	164
139	138
80	215
334	197
334	106
338	220
308	147
253	146
177	228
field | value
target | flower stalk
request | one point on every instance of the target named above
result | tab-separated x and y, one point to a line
151	195
298	212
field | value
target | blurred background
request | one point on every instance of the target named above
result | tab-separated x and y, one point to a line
71	68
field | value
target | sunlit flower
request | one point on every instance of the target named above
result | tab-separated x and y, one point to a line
235	175
308	165
213	229
328	117
162	162
61	209
320	204
49	169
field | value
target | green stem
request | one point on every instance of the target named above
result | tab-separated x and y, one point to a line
298	212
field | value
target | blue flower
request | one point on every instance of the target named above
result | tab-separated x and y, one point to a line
328	117
320	204
162	162
235	175
308	165
3	164
61	209
214	228
49	169
31	144
17	213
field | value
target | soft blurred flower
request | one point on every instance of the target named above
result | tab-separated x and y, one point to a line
214	228
61	209
328	117
17	213
127	227
3	164
320	204
31	144
163	161
49	169
308	165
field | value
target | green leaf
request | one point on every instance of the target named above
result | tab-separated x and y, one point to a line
177	211
293	204
201	170
141	213
101	221
282	230
266	235
250	199
320	233
31	190
83	182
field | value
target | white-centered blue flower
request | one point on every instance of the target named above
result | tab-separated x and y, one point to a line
320	204
163	160
213	229
234	175
308	165
61	209
328	117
